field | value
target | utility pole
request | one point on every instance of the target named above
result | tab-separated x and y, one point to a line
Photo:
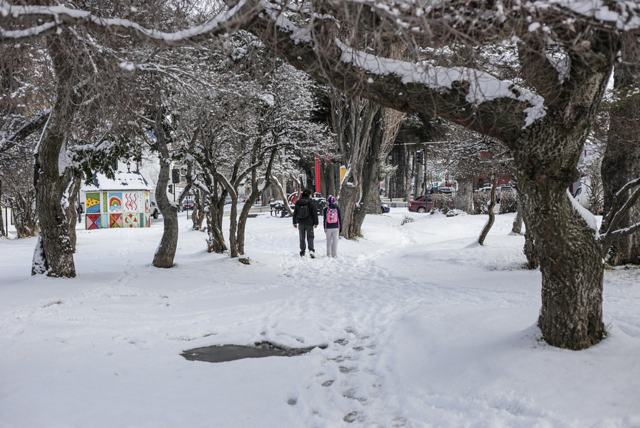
424	159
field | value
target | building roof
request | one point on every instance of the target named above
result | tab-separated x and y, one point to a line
122	181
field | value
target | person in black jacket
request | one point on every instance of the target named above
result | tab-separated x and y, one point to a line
305	215
332	226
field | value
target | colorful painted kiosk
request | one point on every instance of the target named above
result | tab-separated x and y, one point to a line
115	203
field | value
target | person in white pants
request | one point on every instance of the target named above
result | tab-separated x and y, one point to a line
332	226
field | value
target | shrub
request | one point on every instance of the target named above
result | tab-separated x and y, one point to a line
508	202
481	202
441	202
406	220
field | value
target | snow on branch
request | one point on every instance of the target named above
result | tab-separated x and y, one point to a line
27	128
482	86
60	16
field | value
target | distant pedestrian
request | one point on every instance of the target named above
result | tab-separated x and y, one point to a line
79	210
306	216
332	226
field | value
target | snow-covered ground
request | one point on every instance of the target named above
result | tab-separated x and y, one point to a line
424	329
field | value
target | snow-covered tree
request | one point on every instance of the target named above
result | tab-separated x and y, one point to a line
565	50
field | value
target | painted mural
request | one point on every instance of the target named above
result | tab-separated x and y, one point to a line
93	203
131	220
115	202
115	220
110	210
93	221
131	202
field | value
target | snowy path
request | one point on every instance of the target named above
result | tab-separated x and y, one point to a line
423	329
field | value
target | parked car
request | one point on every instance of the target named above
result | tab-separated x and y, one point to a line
503	189
187	205
445	190
155	212
419	204
385	208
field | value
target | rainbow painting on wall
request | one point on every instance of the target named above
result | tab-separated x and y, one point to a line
115	202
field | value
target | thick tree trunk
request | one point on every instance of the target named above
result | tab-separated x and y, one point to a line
621	162
215	214
492	214
54	251
571	266
570	255
464	196
371	173
166	251
517	222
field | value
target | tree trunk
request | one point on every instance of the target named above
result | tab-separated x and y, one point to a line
166	251
2	231
283	195
517	222
492	214
244	214
570	256
371	173
355	140
215	236
54	251
621	162
418	177
464	196
73	190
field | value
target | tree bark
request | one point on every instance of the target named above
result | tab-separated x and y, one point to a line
73	191
517	222
54	250
215	214
464	196
166	251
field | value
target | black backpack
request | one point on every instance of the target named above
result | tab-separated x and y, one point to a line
303	211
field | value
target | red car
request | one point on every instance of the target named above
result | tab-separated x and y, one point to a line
419	205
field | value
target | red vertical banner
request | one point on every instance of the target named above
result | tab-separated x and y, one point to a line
318	187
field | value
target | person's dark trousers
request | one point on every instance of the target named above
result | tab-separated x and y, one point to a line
306	230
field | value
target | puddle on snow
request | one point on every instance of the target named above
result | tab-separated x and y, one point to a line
223	353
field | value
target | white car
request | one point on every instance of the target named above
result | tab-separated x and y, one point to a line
154	210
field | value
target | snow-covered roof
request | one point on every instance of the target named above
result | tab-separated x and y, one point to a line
121	181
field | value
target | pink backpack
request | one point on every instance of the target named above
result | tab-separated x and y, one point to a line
332	215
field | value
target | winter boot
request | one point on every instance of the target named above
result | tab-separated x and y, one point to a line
312	254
